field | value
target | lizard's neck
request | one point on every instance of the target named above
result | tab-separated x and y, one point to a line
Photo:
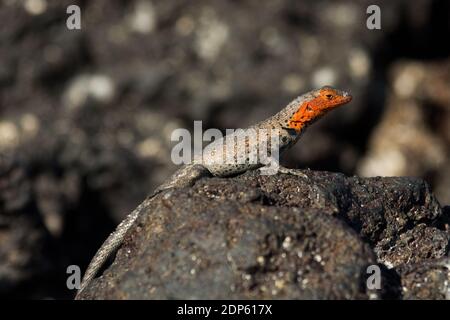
282	121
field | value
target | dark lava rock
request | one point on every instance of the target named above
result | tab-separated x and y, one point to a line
415	245
279	236
426	280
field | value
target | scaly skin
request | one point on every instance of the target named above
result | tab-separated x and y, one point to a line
291	123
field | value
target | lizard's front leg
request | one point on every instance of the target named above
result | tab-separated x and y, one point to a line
274	167
294	172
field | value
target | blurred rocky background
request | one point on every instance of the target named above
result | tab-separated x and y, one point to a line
86	115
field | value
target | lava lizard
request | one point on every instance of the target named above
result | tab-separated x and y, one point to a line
290	123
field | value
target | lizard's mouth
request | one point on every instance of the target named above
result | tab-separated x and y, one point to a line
343	98
309	111
347	96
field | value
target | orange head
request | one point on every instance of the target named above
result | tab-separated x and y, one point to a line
320	102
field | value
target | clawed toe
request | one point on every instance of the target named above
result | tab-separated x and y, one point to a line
293	172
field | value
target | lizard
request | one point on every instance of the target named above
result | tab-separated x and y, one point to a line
289	124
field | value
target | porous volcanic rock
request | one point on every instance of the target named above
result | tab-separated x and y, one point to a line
279	236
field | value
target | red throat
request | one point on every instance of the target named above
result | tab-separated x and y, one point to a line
313	109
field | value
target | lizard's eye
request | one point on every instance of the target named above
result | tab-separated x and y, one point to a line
329	96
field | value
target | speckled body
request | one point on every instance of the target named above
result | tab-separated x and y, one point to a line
290	123
287	137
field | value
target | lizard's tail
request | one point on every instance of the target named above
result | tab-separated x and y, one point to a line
184	177
109	246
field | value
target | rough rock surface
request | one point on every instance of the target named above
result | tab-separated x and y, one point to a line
426	280
279	236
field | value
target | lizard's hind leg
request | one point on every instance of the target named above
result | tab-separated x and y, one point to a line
186	176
